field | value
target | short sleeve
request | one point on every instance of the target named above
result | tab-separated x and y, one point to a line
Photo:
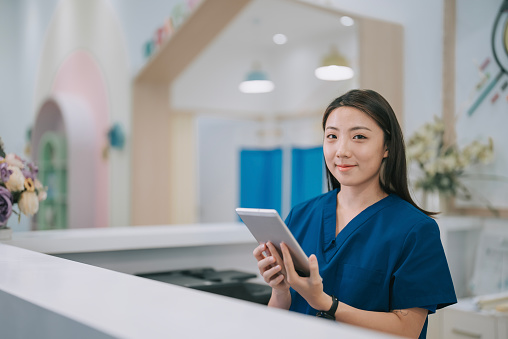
288	218
421	277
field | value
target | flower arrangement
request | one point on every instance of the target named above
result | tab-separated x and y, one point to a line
18	185
443	166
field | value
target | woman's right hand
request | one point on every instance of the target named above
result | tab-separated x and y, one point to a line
271	267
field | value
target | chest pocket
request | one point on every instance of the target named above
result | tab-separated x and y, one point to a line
362	288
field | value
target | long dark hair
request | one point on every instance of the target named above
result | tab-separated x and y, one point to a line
393	176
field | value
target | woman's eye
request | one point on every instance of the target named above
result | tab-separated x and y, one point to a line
359	136
331	136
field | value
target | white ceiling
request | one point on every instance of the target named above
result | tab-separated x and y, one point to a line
255	26
311	32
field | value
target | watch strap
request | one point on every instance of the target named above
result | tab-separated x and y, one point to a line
330	314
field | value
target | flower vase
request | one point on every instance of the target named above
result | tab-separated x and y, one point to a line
5	233
436	202
445	204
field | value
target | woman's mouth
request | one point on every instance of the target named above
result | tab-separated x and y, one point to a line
345	168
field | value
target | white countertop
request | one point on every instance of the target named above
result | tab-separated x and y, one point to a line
131	238
162	236
126	306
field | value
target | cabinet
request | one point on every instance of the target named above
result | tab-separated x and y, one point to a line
463	321
462	240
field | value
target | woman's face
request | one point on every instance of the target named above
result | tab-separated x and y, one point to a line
353	147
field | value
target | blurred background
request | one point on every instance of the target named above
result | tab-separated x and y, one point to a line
147	123
175	112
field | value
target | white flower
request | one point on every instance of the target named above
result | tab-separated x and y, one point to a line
430	168
28	203
16	180
42	195
38	184
13	160
428	155
414	151
462	160
451	162
439	125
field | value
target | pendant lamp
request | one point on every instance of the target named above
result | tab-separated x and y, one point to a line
334	67
256	81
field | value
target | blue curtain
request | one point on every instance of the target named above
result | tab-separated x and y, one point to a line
307	173
261	179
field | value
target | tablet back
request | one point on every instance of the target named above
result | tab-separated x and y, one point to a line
267	226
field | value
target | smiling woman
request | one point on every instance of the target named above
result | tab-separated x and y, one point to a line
354	148
375	257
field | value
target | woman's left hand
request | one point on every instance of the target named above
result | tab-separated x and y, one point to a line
310	288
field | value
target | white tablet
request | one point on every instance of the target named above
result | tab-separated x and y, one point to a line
267	226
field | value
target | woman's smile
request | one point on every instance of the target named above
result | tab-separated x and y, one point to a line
345	168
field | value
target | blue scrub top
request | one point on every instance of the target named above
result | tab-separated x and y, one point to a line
388	257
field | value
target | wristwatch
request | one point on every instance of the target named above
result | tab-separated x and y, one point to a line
330	314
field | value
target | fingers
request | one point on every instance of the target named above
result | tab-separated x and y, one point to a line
266	262
271	271
314	269
276	255
259	252
273	276
288	262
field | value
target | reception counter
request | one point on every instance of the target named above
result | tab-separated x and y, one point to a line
45	296
146	249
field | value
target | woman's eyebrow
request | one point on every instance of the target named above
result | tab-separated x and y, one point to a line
351	129
359	127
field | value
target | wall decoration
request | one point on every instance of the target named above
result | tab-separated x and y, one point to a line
179	14
481	97
499	44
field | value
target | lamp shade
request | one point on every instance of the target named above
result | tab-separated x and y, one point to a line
256	81
334	67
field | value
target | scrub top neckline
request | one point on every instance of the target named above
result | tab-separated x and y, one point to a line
333	243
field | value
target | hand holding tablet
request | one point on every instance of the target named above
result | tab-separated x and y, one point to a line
267	226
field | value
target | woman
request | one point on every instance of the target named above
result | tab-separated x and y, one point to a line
377	258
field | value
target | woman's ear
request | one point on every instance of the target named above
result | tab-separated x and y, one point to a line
386	153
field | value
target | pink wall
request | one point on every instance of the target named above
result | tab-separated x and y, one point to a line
81	76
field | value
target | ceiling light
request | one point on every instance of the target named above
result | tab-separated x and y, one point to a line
256	81
347	21
334	67
280	39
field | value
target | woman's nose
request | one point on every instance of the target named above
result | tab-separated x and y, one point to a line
343	150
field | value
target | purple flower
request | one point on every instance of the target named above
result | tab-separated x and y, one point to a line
27	174
30	171
33	168
5	205
5	173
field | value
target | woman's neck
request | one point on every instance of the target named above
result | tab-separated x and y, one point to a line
359	198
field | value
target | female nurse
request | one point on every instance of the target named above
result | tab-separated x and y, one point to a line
377	259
